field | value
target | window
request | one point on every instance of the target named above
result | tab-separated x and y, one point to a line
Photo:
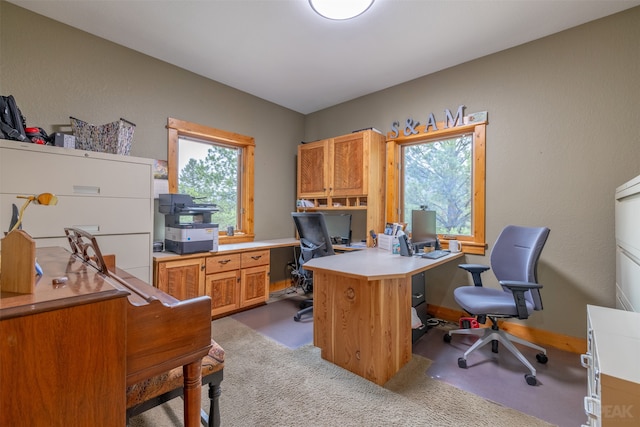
442	170
215	166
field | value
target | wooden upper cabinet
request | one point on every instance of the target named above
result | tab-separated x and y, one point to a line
345	173
313	169
334	167
348	177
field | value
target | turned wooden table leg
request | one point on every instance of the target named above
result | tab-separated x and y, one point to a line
192	393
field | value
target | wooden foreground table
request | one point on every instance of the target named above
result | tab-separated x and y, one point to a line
362	309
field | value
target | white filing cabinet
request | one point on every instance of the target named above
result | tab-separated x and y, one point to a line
627	208
107	195
613	370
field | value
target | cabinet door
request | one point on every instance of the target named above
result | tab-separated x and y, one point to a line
224	290
182	279
349	166
313	167
255	285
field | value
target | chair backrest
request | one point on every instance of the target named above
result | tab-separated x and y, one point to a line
515	257
314	237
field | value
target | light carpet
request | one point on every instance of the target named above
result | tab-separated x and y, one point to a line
268	384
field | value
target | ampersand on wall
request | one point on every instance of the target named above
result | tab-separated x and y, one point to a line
410	127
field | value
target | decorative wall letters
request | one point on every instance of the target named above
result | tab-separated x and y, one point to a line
410	126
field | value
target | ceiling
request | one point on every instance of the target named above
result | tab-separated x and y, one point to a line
281	51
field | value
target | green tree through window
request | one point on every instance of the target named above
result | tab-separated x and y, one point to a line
214	166
442	168
210	172
437	174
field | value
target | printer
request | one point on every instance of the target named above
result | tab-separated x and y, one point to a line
187	225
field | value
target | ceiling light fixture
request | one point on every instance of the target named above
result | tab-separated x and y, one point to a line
340	9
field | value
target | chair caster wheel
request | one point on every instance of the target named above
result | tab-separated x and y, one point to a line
296	318
542	358
531	379
446	338
462	363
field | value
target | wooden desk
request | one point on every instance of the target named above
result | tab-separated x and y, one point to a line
63	348
361	309
68	352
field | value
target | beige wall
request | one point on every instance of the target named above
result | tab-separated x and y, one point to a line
55	71
563	132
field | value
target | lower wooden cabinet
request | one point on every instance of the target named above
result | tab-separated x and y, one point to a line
253	289
254	283
182	279
234	281
224	289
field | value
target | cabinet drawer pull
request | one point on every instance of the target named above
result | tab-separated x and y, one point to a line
416	296
88	228
256	257
224	261
86	189
586	360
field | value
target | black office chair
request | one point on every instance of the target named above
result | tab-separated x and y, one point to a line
315	242
514	259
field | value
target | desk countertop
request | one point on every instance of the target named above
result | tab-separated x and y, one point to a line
375	264
230	248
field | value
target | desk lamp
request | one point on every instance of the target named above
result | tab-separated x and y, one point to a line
40	199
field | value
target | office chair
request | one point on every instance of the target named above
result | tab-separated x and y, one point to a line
315	242
303	279
514	259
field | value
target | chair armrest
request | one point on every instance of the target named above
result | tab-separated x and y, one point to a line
518	289
475	270
515	284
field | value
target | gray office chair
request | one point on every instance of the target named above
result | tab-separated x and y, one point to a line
514	259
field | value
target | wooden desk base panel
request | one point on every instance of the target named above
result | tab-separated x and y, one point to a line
363	326
56	365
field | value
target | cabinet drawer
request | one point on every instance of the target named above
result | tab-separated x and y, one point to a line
132	251
75	174
220	263
416	333
100	215
417	289
253	259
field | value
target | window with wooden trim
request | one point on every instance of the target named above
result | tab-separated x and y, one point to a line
214	166
441	170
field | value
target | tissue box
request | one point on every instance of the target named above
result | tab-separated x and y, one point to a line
386	242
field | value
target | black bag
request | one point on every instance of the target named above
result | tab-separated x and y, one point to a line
12	122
